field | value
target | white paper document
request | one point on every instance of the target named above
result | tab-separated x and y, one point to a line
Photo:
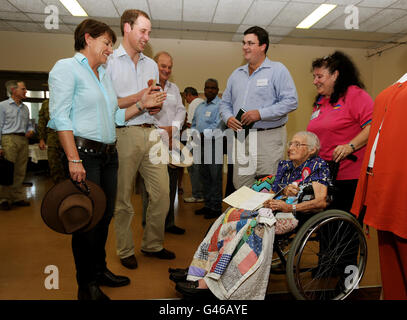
247	199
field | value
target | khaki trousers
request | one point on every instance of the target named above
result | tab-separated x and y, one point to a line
16	150
133	147
261	158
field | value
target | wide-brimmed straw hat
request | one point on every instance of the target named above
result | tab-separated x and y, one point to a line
70	206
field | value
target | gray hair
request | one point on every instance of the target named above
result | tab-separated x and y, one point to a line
312	141
12	84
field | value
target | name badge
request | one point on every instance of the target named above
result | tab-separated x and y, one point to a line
315	114
207	114
262	82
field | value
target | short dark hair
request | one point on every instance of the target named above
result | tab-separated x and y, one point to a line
212	80
130	16
348	73
95	29
261	34
191	90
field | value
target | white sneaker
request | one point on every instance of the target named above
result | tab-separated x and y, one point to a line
193	199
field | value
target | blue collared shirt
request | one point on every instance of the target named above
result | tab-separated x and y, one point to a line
82	103
129	78
207	116
269	89
14	118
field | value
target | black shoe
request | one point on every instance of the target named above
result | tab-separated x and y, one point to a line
190	289
202	211
178	275
129	262
175	230
109	279
212	214
163	254
5	206
21	203
91	292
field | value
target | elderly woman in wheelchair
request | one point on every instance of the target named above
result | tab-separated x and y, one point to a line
234	259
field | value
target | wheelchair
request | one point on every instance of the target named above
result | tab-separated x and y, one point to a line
324	257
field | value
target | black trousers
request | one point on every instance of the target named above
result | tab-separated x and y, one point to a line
89	247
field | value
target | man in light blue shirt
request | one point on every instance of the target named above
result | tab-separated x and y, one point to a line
15	129
131	72
266	92
208	122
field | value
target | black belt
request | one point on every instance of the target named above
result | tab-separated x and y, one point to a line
16	133
92	146
143	125
264	129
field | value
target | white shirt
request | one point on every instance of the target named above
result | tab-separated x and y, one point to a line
173	111
191	108
128	78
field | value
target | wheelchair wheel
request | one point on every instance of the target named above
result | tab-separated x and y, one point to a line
327	258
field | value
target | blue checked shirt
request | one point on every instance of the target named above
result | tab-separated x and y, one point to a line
269	89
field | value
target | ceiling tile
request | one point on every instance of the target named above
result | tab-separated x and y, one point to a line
34	6
263	12
122	5
99	8
398	26
194	10
13	16
62	28
279	31
219	36
194	35
343	2
223	27
4	26
166	10
110	21
381	19
195	26
376	3
172	25
401	4
231	11
364	14
72	20
293	14
27	26
165	34
5	6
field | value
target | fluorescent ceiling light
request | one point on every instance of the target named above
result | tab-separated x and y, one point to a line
316	15
74	8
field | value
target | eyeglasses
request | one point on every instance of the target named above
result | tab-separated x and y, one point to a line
296	144
249	43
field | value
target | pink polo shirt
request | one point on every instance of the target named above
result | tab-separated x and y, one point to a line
339	124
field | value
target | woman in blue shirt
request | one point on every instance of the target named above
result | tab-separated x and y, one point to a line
84	109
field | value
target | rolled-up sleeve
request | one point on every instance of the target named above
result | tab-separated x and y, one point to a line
226	104
61	86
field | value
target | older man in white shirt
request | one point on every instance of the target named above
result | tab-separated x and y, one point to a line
170	120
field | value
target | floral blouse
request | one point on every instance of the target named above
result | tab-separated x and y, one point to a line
313	169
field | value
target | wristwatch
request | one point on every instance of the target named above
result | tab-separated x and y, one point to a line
294	209
352	146
139	106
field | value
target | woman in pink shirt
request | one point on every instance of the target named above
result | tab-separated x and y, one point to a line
341	119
